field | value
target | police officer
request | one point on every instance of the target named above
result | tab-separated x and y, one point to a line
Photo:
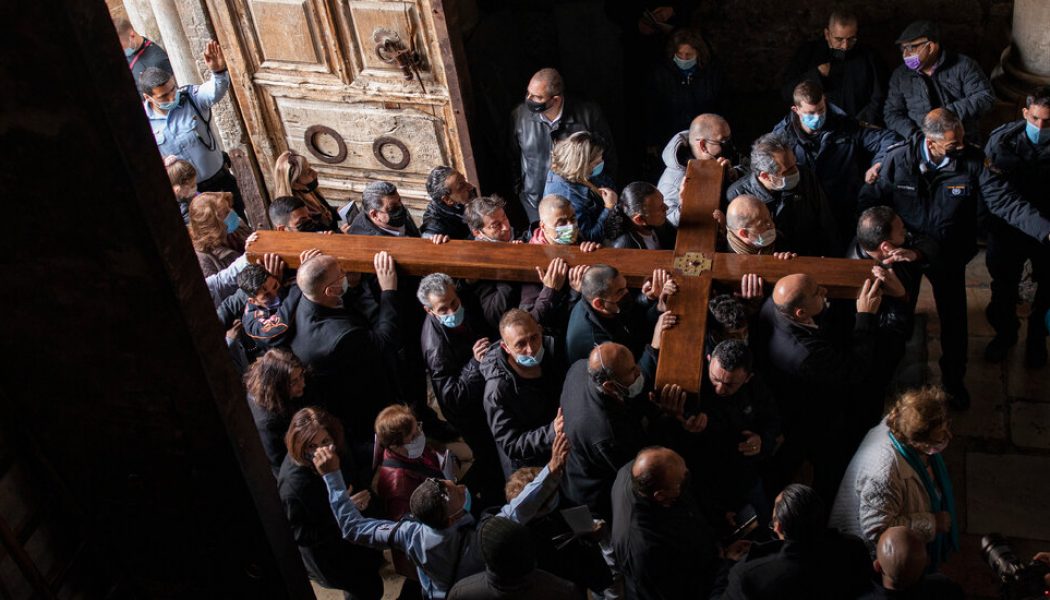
181	122
1020	152
842	152
938	185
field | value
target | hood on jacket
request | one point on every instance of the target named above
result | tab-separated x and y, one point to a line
677	152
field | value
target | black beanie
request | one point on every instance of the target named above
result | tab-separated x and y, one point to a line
507	548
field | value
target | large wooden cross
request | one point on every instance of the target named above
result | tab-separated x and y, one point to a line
694	265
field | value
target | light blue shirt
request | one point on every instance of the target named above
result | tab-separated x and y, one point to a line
182	133
926	154
435	552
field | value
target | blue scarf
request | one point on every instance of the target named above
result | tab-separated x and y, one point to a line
941	547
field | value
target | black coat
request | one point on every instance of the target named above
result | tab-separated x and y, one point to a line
532	141
958	84
839	155
931	587
333	561
664	553
442	219
272	427
676	97
587	329
897	315
945	205
521	411
666	236
604	434
1023	164
856	84
804	219
835	567
537	584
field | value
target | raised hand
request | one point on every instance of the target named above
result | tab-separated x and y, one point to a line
213	57
385	271
480	348
274	265
554	276
326	460
870	297
559	453
576	275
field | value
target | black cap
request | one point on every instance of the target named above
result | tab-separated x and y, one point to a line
920	29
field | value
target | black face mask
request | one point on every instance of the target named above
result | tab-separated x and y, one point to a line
536	107
837	54
311	226
397	218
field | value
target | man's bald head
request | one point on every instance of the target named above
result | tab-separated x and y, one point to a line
553	203
658	474
316	274
747	212
551	81
799	297
612	368
704	130
900	556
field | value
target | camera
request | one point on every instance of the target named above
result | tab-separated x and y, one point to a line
1021	580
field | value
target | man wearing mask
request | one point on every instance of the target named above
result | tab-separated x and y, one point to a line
1020	153
449	193
851	72
141	53
932	77
804	221
181	122
841	151
523	380
544	118
938	185
288	213
647	226
708	138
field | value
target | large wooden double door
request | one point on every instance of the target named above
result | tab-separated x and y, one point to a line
322	77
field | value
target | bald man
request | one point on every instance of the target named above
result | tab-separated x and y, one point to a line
815	377
345	355
708	138
900	562
545	117
664	546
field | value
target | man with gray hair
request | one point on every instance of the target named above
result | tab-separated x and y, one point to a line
546	117
804	221
937	184
708	138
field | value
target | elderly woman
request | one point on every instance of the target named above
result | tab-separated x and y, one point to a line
293	176
275	385
576	169
330	560
217	232
687	82
898	477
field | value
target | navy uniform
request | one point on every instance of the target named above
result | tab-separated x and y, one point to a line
943	203
1026	166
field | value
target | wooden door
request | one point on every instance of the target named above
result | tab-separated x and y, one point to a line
308	76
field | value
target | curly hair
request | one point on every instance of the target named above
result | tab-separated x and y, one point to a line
269	379
917	414
572	157
518	480
208	211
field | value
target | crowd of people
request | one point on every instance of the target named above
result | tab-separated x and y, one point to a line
506	440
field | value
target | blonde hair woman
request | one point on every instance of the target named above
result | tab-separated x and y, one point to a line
293	176
217	232
576	173
898	477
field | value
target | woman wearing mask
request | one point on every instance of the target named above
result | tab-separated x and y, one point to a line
275	384
330	560
217	232
183	178
293	176
687	82
898	477
576	173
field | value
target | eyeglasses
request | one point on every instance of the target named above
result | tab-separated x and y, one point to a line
725	142
913	48
442	490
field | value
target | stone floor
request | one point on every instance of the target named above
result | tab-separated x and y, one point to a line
1000	457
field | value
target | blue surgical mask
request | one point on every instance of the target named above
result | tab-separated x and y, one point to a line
167	106
467	501
682	64
232	222
813	121
566	234
530	361
598	168
1035	134
129	52
454	319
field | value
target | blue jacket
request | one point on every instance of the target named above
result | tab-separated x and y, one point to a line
595	222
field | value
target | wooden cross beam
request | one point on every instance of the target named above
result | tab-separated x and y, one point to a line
693	263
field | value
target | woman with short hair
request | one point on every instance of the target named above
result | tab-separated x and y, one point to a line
898	477
217	232
331	560
577	173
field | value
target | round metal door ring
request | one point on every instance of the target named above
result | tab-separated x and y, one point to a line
310	139
385	146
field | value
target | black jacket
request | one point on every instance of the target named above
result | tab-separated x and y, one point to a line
442	219
631	328
604	434
676	97
537	584
665	553
945	205
897	315
958	84
839	155
532	140
333	561
521	411
272	428
804	219
931	587
835	567
1024	165
856	84
666	235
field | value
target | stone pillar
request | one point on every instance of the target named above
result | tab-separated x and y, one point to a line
175	42
141	16
1026	62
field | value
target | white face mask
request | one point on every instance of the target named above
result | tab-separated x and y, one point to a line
764	239
415	448
786	182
